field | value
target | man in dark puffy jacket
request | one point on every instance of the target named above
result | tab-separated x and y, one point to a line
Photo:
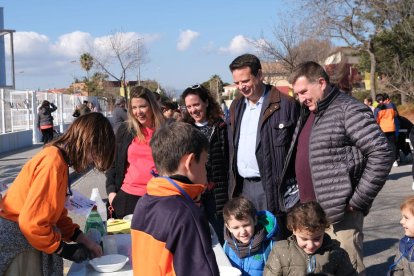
341	157
261	124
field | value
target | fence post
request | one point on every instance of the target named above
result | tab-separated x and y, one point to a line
3	111
34	112
60	100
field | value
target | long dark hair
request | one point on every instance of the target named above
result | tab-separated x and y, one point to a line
214	111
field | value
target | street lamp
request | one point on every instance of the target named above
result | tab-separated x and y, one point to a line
139	59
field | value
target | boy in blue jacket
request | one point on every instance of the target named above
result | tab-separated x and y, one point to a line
248	235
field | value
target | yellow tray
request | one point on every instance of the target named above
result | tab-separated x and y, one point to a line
118	226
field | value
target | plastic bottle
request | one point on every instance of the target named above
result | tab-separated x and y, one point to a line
95	196
94	222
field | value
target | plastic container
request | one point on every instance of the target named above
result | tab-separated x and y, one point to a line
96	196
94	221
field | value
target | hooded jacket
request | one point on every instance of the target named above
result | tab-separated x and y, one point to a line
170	234
251	258
288	259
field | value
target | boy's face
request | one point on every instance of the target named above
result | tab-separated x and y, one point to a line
310	242
242	230
197	172
407	222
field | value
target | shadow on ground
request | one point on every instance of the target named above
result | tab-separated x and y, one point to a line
380	269
376	246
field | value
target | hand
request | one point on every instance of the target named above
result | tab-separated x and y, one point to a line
94	249
111	197
349	208
74	252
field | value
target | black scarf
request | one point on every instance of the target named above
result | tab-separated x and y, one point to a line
241	249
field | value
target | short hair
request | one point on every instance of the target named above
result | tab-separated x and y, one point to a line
379	97
146	94
45	103
213	111
309	69
85	102
167	105
246	60
174	140
368	100
307	216
408	203
89	139
240	208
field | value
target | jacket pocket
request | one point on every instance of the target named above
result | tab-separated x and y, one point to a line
282	132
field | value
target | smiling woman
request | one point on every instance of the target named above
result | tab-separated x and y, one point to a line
126	181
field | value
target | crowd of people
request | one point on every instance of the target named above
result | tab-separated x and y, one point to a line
285	182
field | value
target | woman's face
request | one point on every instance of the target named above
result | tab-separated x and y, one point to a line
142	112
196	108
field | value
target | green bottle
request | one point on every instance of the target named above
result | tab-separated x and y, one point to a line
94	221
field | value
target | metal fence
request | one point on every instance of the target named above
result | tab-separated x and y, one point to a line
18	109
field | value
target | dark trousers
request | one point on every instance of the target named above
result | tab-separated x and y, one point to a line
124	204
47	135
393	141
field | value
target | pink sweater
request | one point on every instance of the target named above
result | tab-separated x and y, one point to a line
140	164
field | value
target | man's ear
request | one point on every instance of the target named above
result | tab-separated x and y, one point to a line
323	83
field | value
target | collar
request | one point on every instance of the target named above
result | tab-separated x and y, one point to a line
201	124
328	97
158	186
261	99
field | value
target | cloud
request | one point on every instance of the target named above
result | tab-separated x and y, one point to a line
238	45
185	39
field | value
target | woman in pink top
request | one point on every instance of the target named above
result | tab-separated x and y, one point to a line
127	179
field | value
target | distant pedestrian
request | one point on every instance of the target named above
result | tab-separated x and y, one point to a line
82	109
204	113
404	260
35	230
45	120
120	114
248	235
368	102
309	251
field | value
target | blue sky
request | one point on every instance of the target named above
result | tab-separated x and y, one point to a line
51	34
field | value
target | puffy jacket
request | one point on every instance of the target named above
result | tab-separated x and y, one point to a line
349	156
288	259
255	262
276	125
218	163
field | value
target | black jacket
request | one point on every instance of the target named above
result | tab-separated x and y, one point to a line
116	174
349	156
44	115
218	163
276	125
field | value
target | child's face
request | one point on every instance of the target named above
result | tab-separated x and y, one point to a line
242	230
197	172
407	222
310	242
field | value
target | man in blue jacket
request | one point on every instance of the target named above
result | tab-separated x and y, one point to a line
261	124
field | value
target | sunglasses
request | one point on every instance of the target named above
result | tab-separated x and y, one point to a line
195	86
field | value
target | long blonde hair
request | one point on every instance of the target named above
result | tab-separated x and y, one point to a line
133	124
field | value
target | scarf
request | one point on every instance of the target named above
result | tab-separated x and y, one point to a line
241	249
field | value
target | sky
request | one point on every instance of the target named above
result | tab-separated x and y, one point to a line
187	41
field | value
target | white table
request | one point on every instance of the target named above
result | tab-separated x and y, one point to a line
124	248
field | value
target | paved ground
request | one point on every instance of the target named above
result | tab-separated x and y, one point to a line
382	229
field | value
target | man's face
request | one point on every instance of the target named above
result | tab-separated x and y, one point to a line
249	85
309	93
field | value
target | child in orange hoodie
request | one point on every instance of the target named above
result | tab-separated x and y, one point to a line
170	234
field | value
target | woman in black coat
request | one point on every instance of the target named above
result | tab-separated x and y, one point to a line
204	113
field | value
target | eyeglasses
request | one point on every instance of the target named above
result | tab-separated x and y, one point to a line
195	86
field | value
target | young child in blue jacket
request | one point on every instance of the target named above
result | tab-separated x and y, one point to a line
248	235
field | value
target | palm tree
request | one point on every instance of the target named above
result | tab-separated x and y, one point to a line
86	61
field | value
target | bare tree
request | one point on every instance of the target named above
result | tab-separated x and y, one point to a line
355	22
119	55
292	44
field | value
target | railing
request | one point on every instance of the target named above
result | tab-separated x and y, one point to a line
18	109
